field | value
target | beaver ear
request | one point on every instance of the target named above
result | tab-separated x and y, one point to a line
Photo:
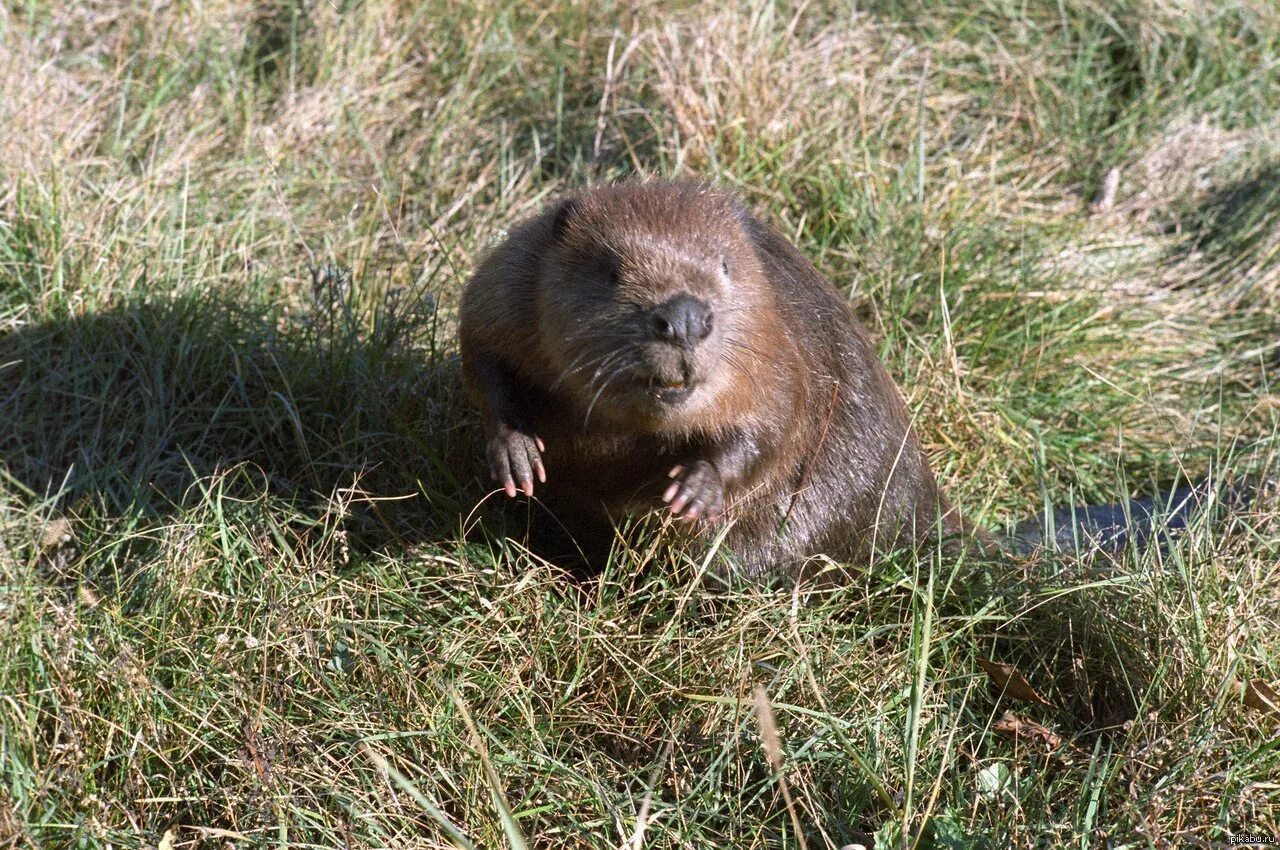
563	214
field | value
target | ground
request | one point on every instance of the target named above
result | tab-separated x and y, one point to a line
245	594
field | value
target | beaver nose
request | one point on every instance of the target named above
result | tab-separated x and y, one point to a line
684	320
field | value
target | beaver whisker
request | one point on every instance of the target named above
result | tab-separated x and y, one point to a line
622	368
737	364
742	345
575	366
609	362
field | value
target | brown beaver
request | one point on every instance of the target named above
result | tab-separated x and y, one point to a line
653	342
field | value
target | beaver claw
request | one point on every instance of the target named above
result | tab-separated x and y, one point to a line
514	458
697	491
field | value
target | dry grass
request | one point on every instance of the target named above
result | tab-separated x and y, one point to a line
244	595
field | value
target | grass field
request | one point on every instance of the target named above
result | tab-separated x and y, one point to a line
245	596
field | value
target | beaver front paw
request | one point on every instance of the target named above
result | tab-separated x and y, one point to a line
514	458
697	491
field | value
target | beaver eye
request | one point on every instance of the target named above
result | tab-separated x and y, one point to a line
613	275
724	265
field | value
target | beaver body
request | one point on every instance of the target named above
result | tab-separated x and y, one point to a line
652	345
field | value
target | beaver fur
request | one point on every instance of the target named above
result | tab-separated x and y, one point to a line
654	343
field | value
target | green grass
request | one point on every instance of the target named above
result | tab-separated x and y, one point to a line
246	596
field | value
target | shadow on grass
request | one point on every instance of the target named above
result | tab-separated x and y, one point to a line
1237	222
1234	217
128	410
124	411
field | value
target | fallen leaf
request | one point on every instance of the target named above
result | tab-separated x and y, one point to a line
1012	726
1260	696
994	779
1011	682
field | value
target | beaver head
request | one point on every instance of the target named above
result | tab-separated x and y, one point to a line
645	302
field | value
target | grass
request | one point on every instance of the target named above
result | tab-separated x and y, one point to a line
245	593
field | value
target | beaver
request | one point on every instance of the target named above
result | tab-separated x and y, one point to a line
652	344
